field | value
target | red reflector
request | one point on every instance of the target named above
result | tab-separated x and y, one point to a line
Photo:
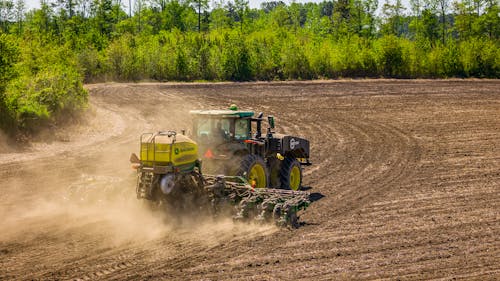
208	154
254	183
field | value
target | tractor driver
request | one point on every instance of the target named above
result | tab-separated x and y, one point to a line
218	133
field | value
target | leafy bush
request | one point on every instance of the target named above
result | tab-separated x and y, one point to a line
294	61
50	95
480	58
236	60
48	88
9	55
391	57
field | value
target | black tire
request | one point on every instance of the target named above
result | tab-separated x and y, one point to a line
287	166
247	163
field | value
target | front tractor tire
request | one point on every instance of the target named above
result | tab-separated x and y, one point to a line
291	174
253	168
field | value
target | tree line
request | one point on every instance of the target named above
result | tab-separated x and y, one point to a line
48	52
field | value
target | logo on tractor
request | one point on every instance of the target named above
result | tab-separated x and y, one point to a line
176	151
293	143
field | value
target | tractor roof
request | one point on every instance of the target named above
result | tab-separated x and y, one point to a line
223	113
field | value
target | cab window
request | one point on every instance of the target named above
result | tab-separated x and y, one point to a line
212	128
241	129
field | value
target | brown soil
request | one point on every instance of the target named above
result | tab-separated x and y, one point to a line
409	171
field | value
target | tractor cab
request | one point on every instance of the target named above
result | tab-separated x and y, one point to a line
219	126
231	125
231	143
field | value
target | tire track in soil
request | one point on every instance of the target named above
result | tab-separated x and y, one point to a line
381	155
294	129
109	268
416	155
125	137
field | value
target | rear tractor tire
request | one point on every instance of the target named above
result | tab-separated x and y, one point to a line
253	168
291	174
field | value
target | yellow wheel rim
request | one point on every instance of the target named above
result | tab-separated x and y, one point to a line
257	176
295	178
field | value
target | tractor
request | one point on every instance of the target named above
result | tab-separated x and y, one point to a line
232	143
169	168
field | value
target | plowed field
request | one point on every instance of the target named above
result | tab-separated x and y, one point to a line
406	173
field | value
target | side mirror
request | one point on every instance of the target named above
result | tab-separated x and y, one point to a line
270	118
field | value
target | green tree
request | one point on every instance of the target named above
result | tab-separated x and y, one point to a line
104	17
237	11
19	11
393	15
430	25
219	18
341	17
392	59
9	55
236	60
464	18
370	9
6	14
200	5
491	19
443	10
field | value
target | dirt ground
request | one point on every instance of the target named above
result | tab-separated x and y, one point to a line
408	172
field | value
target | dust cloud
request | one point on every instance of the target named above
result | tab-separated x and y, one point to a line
6	145
92	207
82	185
106	207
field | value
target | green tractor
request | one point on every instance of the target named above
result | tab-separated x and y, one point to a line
169	169
231	142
